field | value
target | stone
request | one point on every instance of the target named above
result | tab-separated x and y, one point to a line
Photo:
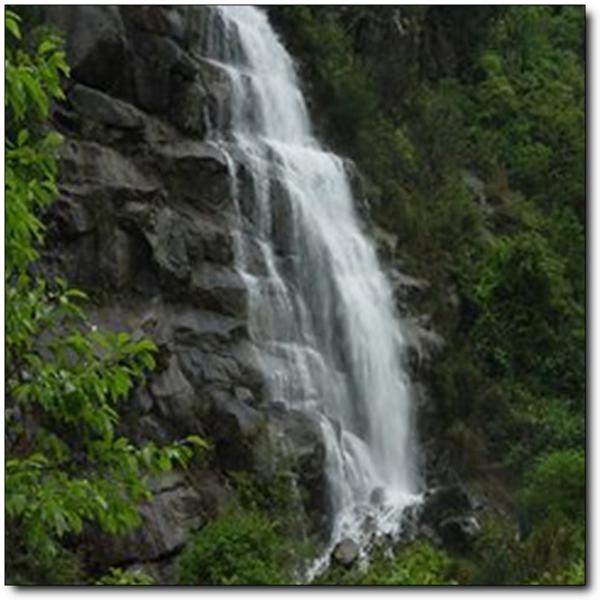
302	440
346	553
98	106
96	45
176	510
459	533
443	502
446	518
234	427
175	399
220	289
166	521
72	217
190	108
377	496
92	168
164	21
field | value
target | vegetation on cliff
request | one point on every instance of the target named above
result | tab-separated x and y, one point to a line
477	164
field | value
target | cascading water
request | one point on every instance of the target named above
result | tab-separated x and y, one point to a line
321	310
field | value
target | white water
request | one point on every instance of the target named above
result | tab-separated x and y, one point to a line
321	310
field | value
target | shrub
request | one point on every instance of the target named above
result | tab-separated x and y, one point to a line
555	486
498	556
240	547
418	563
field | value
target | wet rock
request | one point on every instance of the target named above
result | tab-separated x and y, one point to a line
301	440
443	502
459	533
377	496
446	517
346	553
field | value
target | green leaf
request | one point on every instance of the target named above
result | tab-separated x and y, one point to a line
12	23
196	440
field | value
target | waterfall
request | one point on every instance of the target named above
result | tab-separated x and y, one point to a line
320	308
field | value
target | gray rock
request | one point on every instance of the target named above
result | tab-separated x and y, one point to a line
164	21
219	289
346	553
103	171
176	510
234	427
175	399
377	496
96	45
98	106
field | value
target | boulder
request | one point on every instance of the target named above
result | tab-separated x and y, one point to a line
346	553
443	502
458	533
446	517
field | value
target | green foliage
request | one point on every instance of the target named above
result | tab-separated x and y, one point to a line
66	463
418	563
525	307
499	557
31	80
240	547
342	83
530	101
121	577
551	554
555	486
62	568
573	574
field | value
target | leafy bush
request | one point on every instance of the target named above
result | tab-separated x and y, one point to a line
342	84
418	563
499	557
240	547
555	486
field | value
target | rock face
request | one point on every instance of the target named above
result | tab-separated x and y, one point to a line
145	223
